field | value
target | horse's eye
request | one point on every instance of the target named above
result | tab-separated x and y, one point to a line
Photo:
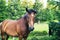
28	17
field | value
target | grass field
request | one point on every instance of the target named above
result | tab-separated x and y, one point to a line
36	34
41	27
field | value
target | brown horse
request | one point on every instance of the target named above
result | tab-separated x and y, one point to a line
0	27
20	28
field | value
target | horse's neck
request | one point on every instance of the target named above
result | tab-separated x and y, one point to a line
22	20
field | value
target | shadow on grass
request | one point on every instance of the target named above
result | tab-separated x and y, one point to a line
36	35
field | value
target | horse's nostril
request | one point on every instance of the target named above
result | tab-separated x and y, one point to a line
31	28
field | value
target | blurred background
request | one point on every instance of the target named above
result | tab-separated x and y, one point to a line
47	20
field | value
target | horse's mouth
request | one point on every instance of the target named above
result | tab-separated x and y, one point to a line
31	29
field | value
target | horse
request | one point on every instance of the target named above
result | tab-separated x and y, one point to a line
19	28
0	27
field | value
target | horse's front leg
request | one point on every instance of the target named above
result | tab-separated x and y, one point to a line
2	35
20	37
7	36
25	38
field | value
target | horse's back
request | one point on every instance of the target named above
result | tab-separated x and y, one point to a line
7	22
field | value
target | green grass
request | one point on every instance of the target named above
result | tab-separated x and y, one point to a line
41	27
37	37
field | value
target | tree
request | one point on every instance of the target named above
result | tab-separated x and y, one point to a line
3	12
38	6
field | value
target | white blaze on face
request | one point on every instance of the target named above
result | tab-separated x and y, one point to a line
32	14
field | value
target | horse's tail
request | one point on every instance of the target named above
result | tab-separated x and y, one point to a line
0	27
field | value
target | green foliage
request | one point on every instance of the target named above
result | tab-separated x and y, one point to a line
15	10
48	38
38	6
52	12
55	27
34	38
3	12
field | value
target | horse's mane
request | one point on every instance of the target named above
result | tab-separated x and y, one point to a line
25	16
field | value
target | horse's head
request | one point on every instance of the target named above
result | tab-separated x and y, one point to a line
30	18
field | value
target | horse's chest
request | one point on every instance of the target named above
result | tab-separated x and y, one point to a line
21	28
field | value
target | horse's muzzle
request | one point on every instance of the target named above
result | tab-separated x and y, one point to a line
31	28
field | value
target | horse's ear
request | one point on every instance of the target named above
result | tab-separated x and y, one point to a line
35	11
26	9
